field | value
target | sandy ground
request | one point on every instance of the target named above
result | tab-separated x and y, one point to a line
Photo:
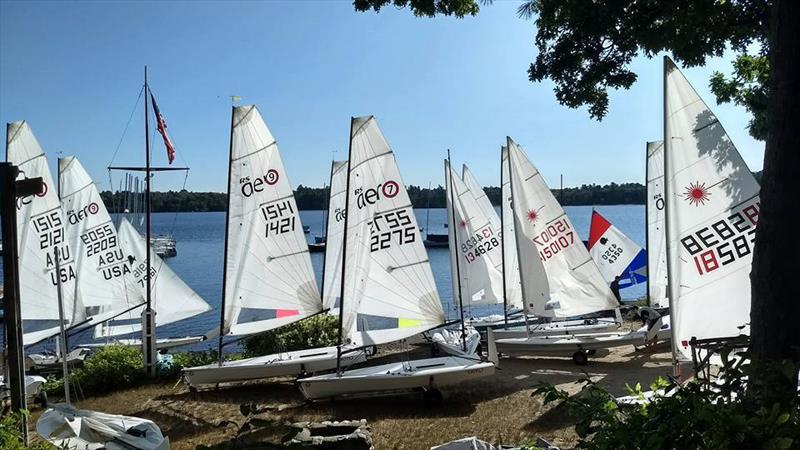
498	409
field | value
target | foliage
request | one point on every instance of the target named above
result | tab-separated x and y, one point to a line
11	438
747	87
188	359
425	8
110	368
321	330
691	416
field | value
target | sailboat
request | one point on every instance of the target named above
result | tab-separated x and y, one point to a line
561	279
387	292
475	259
712	208
268	281
615	254
334	232
173	299
657	296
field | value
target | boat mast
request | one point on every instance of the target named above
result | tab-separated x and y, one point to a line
454	231
516	237
344	252
647	220
62	331
148	328
670	285
327	219
225	252
502	238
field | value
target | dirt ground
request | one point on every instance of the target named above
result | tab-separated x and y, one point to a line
498	409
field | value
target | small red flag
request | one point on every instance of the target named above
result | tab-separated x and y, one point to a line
162	129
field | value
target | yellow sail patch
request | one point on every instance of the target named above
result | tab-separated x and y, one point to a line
408	323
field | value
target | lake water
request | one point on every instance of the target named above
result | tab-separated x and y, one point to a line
200	238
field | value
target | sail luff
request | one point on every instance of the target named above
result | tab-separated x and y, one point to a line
655	232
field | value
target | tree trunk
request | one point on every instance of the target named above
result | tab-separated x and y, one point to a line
776	264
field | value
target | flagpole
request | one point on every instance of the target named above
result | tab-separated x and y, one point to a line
148	328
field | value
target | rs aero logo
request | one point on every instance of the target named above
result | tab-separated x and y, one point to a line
24	201
250	186
76	216
369	196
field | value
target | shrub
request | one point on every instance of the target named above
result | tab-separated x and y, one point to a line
321	330
110	368
696	416
188	359
11	438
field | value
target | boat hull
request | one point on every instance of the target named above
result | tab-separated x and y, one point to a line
270	366
567	344
559	328
396	377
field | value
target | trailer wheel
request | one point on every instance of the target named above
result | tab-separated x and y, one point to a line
580	358
591	352
432	397
193	389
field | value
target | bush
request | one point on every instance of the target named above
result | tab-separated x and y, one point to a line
188	359
110	368
696	416
321	330
11	438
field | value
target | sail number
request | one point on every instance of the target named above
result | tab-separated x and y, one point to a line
724	241
389	227
554	239
50	229
99	239
279	217
479	244
612	253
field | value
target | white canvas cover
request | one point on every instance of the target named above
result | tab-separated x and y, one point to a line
712	212
389	291
40	231
615	254
270	281
474	239
545	233
106	285
172	299
510	256
656	232
332	286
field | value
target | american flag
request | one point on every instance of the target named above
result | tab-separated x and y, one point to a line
162	129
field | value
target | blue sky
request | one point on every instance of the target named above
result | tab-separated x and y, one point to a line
74	69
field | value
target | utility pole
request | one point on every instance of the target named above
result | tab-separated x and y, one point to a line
10	190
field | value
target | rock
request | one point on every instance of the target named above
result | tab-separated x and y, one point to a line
341	435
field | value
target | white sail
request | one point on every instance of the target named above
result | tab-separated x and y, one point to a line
615	254
656	235
510	254
172	299
106	285
510	257
712	212
269	278
576	287
480	196
389	290
332	285
40	231
474	239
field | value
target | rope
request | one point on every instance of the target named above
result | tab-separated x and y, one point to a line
135	107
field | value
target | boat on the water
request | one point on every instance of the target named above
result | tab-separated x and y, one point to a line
318	246
435	240
164	246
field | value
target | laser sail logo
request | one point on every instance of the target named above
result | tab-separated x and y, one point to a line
696	193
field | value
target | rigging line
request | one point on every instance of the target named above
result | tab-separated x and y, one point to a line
135	107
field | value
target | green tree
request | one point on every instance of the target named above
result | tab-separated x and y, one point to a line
586	48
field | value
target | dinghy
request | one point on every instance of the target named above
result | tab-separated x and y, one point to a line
173	300
33	389
71	428
162	344
387	290
451	342
268	280
656	237
559	328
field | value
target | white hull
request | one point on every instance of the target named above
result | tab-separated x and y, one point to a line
396	377
568	344
161	344
270	366
33	387
77	429
449	341
560	328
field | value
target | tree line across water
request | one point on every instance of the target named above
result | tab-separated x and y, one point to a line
309	198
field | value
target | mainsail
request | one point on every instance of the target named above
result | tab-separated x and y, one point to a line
106	286
510	256
332	284
656	236
616	254
269	279
545	234
40	228
173	300
475	241
712	212
388	291
480	196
